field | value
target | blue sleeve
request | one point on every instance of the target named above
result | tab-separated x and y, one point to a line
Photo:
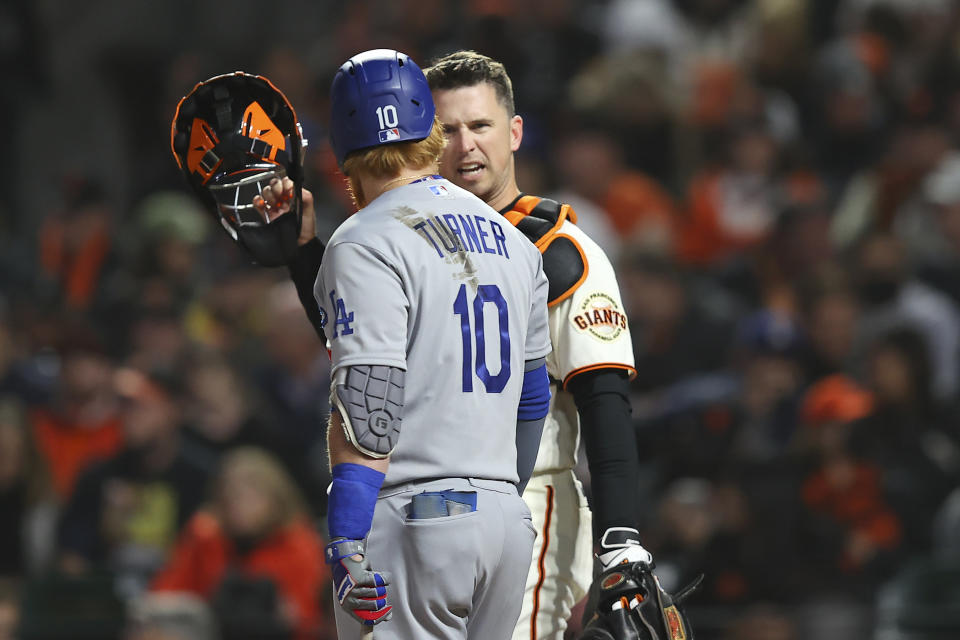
535	393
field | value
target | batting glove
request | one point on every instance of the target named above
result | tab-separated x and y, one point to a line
361	591
621	545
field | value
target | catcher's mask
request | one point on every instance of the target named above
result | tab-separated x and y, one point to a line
231	135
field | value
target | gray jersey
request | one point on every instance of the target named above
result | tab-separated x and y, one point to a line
430	279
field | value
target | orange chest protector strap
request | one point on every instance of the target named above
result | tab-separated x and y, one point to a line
564	261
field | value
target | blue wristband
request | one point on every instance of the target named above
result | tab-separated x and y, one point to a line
353	497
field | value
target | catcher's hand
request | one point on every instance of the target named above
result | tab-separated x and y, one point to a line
628	603
361	591
275	199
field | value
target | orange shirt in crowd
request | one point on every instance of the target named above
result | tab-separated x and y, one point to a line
856	502
705	238
634	201
77	268
68	448
292	557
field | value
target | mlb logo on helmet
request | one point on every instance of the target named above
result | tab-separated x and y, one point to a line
386	135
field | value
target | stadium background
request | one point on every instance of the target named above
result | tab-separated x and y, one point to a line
777	181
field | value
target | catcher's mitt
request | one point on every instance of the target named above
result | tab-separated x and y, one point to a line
630	605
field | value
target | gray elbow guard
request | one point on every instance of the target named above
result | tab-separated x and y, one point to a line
370	401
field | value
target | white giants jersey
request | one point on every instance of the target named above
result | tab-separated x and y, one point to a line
588	330
429	279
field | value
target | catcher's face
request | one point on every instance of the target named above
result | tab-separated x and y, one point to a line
482	137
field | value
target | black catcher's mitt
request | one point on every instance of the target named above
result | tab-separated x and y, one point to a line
630	605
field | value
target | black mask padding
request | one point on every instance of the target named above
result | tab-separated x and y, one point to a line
274	244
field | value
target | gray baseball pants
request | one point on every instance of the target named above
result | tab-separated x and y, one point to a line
453	577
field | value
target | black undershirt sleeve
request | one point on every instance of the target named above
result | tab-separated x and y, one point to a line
303	272
606	426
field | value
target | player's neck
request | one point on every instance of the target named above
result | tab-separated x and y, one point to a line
504	197
375	187
507	193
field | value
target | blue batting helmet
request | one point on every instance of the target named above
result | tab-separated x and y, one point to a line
378	97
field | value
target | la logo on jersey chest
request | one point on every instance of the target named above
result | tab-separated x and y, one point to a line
599	315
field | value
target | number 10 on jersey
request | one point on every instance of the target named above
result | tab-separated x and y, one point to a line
487	294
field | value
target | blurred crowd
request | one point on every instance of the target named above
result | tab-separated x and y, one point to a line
776	181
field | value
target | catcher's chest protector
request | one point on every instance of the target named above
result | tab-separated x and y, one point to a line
564	262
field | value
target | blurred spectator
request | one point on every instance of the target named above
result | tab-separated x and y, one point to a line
171	227
26	497
125	511
644	26
830	312
713	528
631	95
54	605
848	127
591	166
75	246
799	242
170	616
219	407
888	196
909	435
850	531
939	263
295	383
763	623
255	526
892	297
222	412
15	375
676	333
157	339
228	317
771	346
80	423
9	609
733	208
946	527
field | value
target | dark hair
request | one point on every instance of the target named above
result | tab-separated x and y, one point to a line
469	68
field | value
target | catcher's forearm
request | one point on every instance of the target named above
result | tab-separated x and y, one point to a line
607	430
303	272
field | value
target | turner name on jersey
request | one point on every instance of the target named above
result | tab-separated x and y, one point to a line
456	233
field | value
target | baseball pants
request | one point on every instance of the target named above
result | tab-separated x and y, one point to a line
562	567
453	577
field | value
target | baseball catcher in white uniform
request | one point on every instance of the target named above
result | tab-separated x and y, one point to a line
589	367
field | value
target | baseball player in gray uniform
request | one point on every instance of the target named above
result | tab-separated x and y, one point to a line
435	310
